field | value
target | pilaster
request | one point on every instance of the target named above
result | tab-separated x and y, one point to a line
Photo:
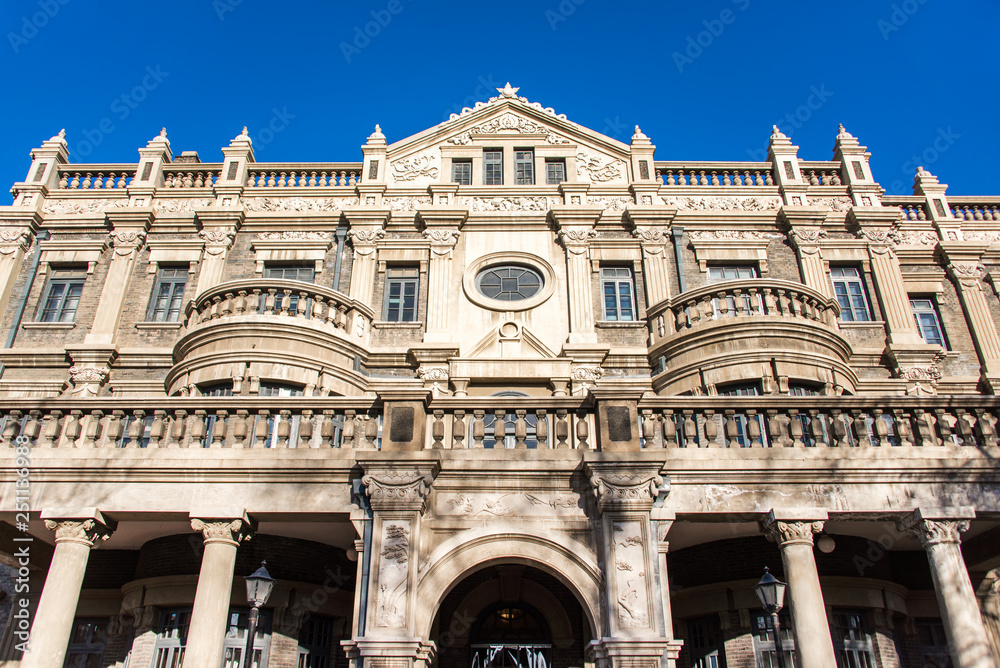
966	270
218	230
366	228
806	234
236	157
16	237
787	174
442	228
575	225
643	172
651	225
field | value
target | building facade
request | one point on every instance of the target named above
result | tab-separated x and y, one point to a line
507	392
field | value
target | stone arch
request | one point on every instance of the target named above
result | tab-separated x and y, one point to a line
569	561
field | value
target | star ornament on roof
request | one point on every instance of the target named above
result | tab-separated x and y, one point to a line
507	91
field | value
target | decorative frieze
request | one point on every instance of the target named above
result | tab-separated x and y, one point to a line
911	238
76	206
217	240
87	374
294	235
611	203
967	273
433	373
599	168
406	203
838	204
723	203
274	204
406	490
729	235
12	238
485	204
931	373
180	205
418	167
126	242
630	575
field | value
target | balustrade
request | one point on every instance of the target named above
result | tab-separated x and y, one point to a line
95	177
203	176
304	175
714	174
976	211
821	173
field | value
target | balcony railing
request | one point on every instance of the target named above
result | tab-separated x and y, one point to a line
304	175
673	423
733	174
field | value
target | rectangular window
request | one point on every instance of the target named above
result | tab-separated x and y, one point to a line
555	171
851	640
524	167
236	640
461	172
168	295
705	643
932	643
926	314
764	645
316	643
62	295
171	639
850	291
291	272
493	167
87	643
749	305
401	294
619	296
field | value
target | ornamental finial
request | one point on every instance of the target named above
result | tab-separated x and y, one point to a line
163	133
508	91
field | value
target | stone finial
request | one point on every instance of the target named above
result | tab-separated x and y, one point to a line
160	138
163	132
639	134
377	137
508	91
59	137
843	133
776	133
243	137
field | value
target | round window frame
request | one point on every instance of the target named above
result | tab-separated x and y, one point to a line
487	262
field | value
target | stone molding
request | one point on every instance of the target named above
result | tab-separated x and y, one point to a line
624	487
399	490
85	532
967	273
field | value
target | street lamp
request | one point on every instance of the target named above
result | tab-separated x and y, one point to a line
771	592
259	586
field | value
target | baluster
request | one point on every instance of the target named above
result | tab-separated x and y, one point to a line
759	179
835	178
944	425
136	428
305	431
542	428
711	430
199	429
985	428
777	426
282	179
283	428
371	432
251	179
732	429
582	430
753	430
966	428
478	429
199	180
880	427
768	178
64	180
690	430
816	430
87	181
188	181
901	422
75	183
458	430
840	425
271	180
437	430
114	429
649	429
99	181
11	428
50	430
924	423
499	428
813	181
327	431
353	179
241	429
92	432
860	427
220	429
520	429
562	429
715	178
156	429
669	429
795	428
312	179
671	179
292	182
71	428
727	178
302	305
176	431
261	429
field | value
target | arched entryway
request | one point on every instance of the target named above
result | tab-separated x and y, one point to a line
510	616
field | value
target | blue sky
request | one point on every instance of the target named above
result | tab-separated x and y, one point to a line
705	80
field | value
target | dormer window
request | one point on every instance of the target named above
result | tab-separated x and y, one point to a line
524	167
493	167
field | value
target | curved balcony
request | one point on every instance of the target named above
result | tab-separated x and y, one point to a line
748	331
270	330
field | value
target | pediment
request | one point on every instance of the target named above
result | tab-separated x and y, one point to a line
510	341
594	157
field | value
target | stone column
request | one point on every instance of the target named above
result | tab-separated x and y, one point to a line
813	641
218	241
398	499
963	624
900	325
53	623
805	232
637	628
442	232
652	229
967	277
126	239
215	585
663	581
576	229
14	243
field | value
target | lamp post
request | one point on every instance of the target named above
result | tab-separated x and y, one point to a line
771	592
259	586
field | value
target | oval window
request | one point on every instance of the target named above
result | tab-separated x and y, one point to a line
509	283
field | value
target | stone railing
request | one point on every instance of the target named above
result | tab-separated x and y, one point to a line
304	175
280	299
733	174
821	173
897	423
95	177
913	207
975	208
198	175
740	299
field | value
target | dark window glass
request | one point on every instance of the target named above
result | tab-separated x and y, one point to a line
493	167
168	295
401	290
509	283
926	314
62	295
850	292
619	296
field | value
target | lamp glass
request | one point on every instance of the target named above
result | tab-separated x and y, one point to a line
259	586
771	592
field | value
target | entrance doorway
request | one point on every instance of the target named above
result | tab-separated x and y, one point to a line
511	635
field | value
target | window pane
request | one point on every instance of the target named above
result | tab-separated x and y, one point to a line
524	165
555	171
461	172
493	166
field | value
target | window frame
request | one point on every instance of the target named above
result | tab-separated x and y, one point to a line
858	647
270	267
555	162
94	645
67	278
174	282
524	166
616	313
317	651
493	158
932	310
467	177
851	307
404	276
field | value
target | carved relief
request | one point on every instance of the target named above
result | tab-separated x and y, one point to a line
78	531
467	505
724	203
294	235
633	603
509	123
967	273
390	611
87	374
218	240
876	235
12	237
236	531
809	235
784	533
180	205
599	168
626	490
259	204
833	203
365	236
935	532
405	203
406	490
508	505
910	238
433	373
125	242
411	169
728	235
611	203
991	238
920	373
480	204
438	236
73	206
588	373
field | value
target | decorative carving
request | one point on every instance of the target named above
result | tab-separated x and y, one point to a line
74	206
229	531
967	273
577	235
390	611
466	505
407	490
217	240
877	235
411	169
726	235
633	604
911	238
558	502
87	374
724	203
790	533
508	92
650	235
440	236
461	140
294	235
13	237
405	203
259	204
480	204
991	238
590	374
365	236
433	373
180	205
935	532
87	531
833	203
599	168
126	242
611	203
930	373
808	235
626	490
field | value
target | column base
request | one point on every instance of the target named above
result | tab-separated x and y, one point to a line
389	652
634	652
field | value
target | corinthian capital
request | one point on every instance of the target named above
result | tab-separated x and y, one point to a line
87	531
967	273
233	531
934	532
390	489
790	533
